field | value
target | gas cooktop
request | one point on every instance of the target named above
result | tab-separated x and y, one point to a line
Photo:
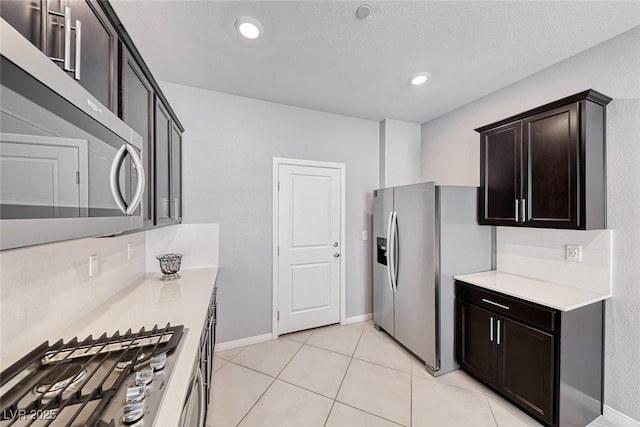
105	382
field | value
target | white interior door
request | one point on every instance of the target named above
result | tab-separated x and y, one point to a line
310	247
39	176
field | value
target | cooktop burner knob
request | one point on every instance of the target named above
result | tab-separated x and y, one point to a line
135	394
144	377
133	412
158	362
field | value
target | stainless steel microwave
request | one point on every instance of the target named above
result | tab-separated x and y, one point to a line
69	167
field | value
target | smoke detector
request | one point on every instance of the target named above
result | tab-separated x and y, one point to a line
363	11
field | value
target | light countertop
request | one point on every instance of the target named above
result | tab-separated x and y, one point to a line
560	297
149	302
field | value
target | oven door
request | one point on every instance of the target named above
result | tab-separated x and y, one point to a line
194	410
69	168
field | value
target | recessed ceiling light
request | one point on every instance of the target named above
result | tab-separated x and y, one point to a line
419	79
249	27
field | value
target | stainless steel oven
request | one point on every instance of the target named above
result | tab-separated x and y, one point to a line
194	409
69	167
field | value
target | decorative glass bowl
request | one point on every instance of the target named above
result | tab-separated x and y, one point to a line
169	265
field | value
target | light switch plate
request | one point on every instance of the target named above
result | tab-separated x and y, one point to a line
365	235
129	251
574	253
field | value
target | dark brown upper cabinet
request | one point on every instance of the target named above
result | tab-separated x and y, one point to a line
176	173
75	34
162	165
136	109
546	167
94	67
109	66
26	17
167	167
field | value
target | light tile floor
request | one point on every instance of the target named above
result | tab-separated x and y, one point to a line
346	376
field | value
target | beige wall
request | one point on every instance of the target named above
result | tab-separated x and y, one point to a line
451	155
228	151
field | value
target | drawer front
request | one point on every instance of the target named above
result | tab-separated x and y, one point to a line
507	306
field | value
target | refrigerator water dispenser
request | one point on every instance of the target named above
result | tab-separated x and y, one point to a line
382	250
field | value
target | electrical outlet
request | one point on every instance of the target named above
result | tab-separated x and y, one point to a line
574	253
93	265
129	251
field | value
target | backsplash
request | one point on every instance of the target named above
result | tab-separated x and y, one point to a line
540	254
45	288
198	244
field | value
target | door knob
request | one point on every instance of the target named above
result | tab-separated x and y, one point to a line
336	255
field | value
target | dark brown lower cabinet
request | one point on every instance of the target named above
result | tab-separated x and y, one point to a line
545	361
477	347
525	360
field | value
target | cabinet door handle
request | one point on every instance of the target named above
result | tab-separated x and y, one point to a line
524	210
78	50
66	58
517	211
498	333
176	206
67	38
491	329
495	303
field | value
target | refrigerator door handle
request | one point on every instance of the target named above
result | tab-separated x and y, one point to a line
389	252
394	242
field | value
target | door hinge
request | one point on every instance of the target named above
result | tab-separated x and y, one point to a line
278	185
278	315
77	177
278	250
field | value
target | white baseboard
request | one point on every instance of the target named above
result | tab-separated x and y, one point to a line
222	346
618	418
356	319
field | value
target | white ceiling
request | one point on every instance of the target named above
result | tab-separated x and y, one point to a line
319	55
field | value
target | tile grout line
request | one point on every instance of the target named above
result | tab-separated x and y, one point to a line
302	388
343	377
411	399
236	355
491	409
256	402
246	367
384	366
372	414
272	382
292	357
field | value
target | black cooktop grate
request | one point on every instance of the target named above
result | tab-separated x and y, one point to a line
62	373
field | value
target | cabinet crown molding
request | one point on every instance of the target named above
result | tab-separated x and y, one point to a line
590	95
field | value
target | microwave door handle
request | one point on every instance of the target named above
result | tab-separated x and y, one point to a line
113	179
137	196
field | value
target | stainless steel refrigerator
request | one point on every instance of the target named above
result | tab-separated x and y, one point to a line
424	234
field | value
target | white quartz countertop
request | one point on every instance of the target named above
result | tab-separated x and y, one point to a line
560	297
181	302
